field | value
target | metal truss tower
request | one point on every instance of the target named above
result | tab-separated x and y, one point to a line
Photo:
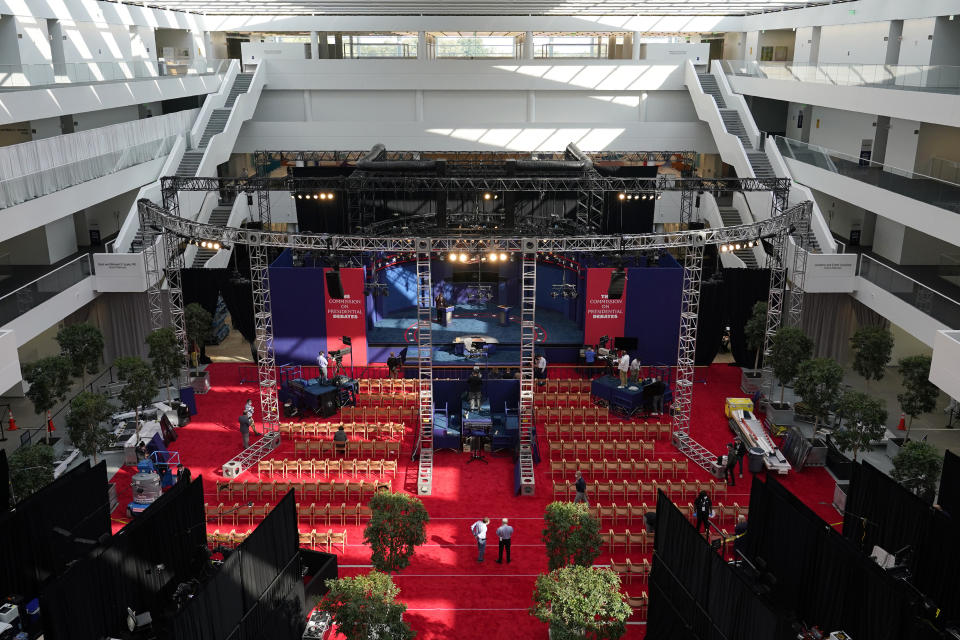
528	338
425	366
261	160
263	322
152	267
687	197
799	271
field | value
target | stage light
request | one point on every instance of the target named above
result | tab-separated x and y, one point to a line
736	247
323	196
453	256
463	257
315	196
622	196
486	196
215	246
292	197
724	248
659	195
503	257
299	196
493	257
329	196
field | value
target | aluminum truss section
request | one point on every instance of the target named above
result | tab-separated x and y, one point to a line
253	454
174	255
151	263
799	271
261	160
528	340
687	197
425	368
263	322
686	353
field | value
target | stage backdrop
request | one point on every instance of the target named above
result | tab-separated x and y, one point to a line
604	317
347	316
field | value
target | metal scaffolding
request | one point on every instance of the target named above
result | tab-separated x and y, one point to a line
263	322
799	271
528	339
261	163
425	366
151	262
307	158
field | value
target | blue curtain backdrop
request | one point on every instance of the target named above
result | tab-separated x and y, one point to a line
653	310
299	321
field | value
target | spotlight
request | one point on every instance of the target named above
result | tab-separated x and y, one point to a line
629	197
315	196
323	196
643	197
329	196
736	247
622	196
215	246
487	196
292	197
463	257
493	257
659	195
299	196
503	257
203	244
453	257
724	248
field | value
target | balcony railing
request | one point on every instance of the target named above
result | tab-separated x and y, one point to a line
379	49
931	302
18	302
39	75
475	49
570	50
934	78
938	193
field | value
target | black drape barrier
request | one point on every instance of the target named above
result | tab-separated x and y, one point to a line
201	286
137	568
710	322
258	593
204	286
949	495
879	511
937	564
742	289
5	480
53	527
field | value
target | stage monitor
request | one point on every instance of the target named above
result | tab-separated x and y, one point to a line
626	344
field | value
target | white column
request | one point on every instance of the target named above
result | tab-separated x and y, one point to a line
418	105
422	53
635	53
314	45
307	105
528	45
323	49
531	106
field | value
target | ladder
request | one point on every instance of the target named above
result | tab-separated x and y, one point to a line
528	337
425	367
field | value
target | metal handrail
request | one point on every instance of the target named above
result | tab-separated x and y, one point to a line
903	275
892	76
85	256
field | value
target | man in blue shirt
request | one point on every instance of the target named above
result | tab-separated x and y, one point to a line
479	531
504	533
589	357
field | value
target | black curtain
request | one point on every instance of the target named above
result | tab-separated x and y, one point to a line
5	480
205	286
937	564
742	289
879	511
214	611
711	320
949	495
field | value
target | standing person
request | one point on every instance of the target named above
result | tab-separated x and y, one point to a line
542	369
589	357
581	487
504	533
322	363
441	307
624	367
635	370
245	429
739	531
740	453
731	465
248	411
475	389
393	365
703	506
657	389
479	530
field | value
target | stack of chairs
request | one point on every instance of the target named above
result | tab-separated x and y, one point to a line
600	449
225	539
638	490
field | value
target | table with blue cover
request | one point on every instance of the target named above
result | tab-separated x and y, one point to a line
308	392
629	399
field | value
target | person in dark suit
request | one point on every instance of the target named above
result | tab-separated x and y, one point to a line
393	365
739	531
340	441
657	389
441	303
740	453
245	429
702	506
731	464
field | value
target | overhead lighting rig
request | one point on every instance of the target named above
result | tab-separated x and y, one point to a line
326	195
639	196
567	291
212	245
376	289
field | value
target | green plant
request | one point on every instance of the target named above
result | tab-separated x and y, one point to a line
366	606
198	323
919	394
141	385
87	411
31	469
398	523
166	355
872	347
917	467
755	330
571	534
818	383
581	602
790	347
49	380
864	420
82	345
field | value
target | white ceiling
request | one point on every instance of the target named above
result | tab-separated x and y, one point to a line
481	7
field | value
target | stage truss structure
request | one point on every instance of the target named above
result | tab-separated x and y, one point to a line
528	340
425	367
783	222
263	324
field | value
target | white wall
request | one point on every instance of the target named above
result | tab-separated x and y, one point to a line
61	239
945	368
751	48
734	45
106	217
45	128
902	141
46	315
778	38
9	361
854	43
803	51
9	50
842	216
936	141
95	42
104	117
33	40
841	130
899	312
916	46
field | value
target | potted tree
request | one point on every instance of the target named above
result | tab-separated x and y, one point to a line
754	331
166	356
87	411
790	347
864	420
49	380
365	607
872	347
31	469
141	385
398	524
197	323
919	394
571	535
818	385
917	467
581	602
82	345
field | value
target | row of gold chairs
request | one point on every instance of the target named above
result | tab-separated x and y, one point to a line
324	490
565	385
236	514
328	541
316	514
603	449
386	385
231	539
377	414
674	469
628	570
604	430
638	604
388	400
639	491
351	449
627	541
356	429
563	400
626	514
300	468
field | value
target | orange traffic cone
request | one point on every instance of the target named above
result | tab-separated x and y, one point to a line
901	426
13	423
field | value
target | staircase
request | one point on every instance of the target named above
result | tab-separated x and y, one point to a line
219	217
731	218
218	121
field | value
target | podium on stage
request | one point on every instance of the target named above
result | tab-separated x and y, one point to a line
504	314
447	316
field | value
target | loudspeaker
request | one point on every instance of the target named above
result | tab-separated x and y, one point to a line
328	404
618	280
334	284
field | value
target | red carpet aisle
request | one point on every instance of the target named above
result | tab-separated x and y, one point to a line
449	593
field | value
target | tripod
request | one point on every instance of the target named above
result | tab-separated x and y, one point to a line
476	448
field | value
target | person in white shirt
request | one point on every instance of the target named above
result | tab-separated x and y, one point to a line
635	371
624	367
322	363
542	369
479	531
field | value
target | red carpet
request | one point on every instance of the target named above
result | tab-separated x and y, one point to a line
448	592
